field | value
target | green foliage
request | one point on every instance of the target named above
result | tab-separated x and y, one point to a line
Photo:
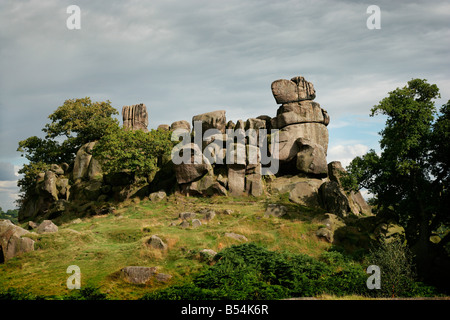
75	123
18	294
252	272
79	121
9	215
27	183
88	292
397	269
410	178
133	151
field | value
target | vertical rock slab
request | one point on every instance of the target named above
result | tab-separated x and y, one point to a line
135	117
236	179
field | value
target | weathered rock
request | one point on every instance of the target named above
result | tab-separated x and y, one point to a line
275	210
95	170
157	196
288	146
236	179
298	112
296	89
40	177
56	169
196	223
209	214
212	120
47	226
62	184
13	241
306	192
207	255
163	277
180	125
187	215
311	158
82	161
358	199
135	117
138	275
184	224
325	233
255	124
236	236
49	185
335	171
333	199
203	186
157	243
188	172
32	225
267	119
163	127
230	125
240	125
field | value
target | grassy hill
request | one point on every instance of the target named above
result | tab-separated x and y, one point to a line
104	244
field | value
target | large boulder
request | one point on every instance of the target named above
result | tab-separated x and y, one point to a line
288	136
156	243
294	90
82	161
306	192
49	185
47	226
212	120
138	275
236	179
180	125
188	172
13	241
311	158
299	112
334	199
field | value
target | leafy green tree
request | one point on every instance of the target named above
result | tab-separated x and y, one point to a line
410	176
133	151
75	123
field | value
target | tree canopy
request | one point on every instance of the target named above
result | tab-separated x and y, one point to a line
410	177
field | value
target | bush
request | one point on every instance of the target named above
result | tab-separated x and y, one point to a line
18	294
397	270
251	272
89	292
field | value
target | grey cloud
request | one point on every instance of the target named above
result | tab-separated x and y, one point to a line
7	172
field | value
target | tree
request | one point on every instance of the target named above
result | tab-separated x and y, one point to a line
79	121
410	177
133	151
75	123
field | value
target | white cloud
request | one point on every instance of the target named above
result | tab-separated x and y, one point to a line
345	153
9	193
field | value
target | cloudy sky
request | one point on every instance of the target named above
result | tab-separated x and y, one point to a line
182	58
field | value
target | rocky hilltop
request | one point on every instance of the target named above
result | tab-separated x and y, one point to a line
298	129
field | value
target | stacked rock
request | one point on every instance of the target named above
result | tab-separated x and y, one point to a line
302	124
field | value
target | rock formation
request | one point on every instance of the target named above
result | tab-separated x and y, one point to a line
224	159
135	117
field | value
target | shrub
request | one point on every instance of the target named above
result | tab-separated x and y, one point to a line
397	270
251	272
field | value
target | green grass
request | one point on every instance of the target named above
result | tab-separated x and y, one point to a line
102	245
